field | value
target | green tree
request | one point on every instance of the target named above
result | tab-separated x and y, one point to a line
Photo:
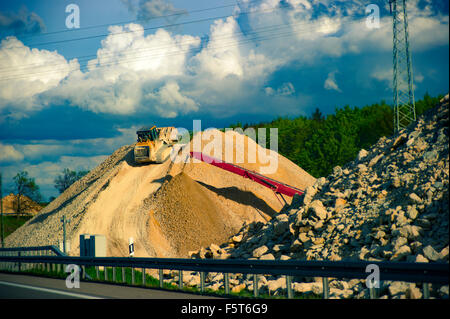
25	186
318	143
67	178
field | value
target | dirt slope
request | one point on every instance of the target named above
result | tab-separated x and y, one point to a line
198	205
32	208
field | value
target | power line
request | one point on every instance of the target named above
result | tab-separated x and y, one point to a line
150	28
88	57
176	13
176	52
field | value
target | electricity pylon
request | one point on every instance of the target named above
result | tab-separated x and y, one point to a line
404	107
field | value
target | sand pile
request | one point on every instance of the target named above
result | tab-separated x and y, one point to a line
198	205
189	215
253	199
10	203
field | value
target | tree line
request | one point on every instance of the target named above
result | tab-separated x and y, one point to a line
318	143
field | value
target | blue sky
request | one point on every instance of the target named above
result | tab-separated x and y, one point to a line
69	98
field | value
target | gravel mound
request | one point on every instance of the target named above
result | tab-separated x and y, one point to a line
189	216
390	203
168	209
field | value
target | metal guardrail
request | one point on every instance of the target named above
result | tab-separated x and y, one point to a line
48	248
425	273
19	252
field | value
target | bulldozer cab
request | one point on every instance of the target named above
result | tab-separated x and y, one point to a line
154	144
147	134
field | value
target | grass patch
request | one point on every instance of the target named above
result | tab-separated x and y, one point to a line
11	223
126	277
152	282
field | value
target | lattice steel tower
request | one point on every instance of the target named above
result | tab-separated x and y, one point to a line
404	107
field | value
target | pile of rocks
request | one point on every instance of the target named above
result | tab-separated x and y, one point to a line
390	203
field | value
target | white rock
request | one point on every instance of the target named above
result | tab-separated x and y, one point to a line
258	252
397	287
237	238
401	253
303	237
302	287
414	198
318	209
274	285
431	254
421	259
413	293
267	257
362	153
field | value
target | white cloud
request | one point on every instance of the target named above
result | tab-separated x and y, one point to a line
418	78
162	74
128	67
9	154
151	9
222	56
169	100
27	72
330	82
285	89
386	75
45	172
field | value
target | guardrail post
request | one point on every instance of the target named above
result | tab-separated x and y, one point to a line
132	275
123	275
289	287
372	293
106	273
226	280
255	285
161	278
83	271
202	281
180	279
426	290
97	276
20	264
143	276
326	289
114	274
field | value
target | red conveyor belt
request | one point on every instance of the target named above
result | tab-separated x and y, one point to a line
276	186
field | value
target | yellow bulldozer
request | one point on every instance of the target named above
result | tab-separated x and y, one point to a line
154	144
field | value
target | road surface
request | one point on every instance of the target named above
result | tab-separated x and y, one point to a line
20	286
